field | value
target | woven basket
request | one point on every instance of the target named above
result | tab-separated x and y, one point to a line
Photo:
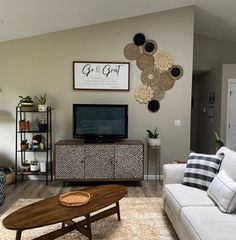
131	51
74	199
144	61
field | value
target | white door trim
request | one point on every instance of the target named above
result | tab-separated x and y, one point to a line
230	81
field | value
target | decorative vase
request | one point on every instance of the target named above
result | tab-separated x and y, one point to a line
154	142
34	167
42	108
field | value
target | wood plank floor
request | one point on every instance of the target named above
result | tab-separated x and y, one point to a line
38	189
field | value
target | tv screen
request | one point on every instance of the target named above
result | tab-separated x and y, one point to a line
100	121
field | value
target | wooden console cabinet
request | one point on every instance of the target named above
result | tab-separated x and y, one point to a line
118	161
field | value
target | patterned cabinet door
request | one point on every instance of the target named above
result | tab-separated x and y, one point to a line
69	162
129	162
99	161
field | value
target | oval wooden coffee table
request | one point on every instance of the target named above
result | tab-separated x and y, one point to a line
49	211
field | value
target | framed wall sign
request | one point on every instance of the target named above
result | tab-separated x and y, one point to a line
101	76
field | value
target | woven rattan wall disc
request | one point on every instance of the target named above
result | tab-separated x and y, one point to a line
144	61
176	72
150	76
165	82
131	51
158	93
163	61
139	39
149	47
153	106
143	94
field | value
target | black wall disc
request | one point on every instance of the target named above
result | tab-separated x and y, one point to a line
139	39
149	47
153	106
175	71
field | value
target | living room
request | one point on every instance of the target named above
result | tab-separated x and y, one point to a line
42	62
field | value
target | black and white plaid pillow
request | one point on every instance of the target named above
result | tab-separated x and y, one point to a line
201	170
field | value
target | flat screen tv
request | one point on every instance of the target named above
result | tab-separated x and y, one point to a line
100	122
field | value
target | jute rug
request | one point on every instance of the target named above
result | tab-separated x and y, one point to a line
141	218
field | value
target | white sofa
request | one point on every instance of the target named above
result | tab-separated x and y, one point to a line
192	213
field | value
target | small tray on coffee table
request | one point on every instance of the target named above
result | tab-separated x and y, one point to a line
74	199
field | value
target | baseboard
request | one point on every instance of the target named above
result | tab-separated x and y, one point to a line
152	177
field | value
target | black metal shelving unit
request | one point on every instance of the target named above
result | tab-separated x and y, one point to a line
20	155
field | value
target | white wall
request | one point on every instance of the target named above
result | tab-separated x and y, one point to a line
44	64
210	52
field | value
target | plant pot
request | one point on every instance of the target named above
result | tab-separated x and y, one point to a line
34	168
24	146
154	142
42	108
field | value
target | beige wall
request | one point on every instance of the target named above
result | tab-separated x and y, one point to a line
209	82
210	52
229	72
44	64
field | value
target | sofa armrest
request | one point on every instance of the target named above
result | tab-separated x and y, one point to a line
173	173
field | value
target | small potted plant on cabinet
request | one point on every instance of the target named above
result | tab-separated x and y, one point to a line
153	139
24	145
26	103
42	99
34	165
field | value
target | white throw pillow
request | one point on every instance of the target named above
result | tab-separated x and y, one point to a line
229	162
223	192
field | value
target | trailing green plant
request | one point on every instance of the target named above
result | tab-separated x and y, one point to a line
24	142
34	162
41	99
153	134
217	140
27	99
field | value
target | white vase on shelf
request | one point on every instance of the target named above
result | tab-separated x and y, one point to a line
154	142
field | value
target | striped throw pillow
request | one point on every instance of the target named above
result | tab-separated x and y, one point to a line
201	170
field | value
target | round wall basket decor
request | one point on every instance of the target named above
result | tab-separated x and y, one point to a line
131	51
165	82
158	93
149	47
139	39
143	94
150	76
175	72
153	106
163	61
144	61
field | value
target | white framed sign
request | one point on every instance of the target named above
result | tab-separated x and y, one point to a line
101	76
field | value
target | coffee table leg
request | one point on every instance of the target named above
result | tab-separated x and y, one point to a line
118	210
88	223
18	234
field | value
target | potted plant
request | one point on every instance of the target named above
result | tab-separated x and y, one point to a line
42	99
153	139
26	103
217	141
24	145
34	165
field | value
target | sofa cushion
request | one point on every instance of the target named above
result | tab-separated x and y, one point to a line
229	162
223	192
208	223
179	195
201	169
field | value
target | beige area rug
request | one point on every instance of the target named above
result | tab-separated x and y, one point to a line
141	219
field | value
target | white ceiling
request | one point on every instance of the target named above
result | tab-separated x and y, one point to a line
24	18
